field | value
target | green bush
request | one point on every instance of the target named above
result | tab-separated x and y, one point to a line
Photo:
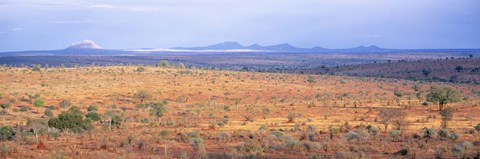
71	121
157	109
93	116
428	133
394	134
333	132
443	133
461	149
92	108
116	120
197	143
454	136
477	127
48	113
5	105
75	110
23	109
351	135
6	133
291	117
373	130
402	152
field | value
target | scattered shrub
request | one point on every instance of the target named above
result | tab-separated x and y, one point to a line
428	133
197	143
291	117
5	105
66	120
351	135
48	113
402	152
92	108
116	120
6	133
394	134
443	133
333	132
140	69
93	116
462	149
477	127
373	130
454	136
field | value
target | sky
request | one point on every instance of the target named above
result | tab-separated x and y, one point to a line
123	24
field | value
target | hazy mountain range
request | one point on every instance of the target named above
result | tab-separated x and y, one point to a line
89	47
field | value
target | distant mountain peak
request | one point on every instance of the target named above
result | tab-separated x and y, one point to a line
255	46
227	44
283	46
85	44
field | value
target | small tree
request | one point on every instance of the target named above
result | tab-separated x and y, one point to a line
157	110
37	68
164	134
197	143
92	108
181	66
38	103
37	127
443	95
265	112
447	115
391	116
237	102
459	68
65	104
426	72
48	113
6	133
333	132
291	117
142	95
140	69
163	63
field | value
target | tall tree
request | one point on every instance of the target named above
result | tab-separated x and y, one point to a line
442	95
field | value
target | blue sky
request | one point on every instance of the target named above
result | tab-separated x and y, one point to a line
122	24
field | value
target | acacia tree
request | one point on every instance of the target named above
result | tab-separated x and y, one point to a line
38	103
391	116
142	95
158	109
442	95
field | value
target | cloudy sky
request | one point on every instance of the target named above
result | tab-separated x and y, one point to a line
122	24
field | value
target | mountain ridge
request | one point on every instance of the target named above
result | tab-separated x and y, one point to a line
89	47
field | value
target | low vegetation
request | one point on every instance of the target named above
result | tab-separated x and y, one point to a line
165	112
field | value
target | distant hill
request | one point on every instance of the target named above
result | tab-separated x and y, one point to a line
460	70
90	48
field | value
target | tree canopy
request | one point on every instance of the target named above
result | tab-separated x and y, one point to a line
442	95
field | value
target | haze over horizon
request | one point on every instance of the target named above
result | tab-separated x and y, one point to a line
122	24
